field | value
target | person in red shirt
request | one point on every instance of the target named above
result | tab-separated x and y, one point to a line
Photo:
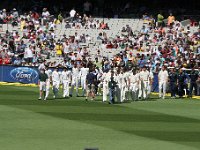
102	25
109	45
6	60
1	61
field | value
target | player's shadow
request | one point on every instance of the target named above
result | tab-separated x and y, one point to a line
59	98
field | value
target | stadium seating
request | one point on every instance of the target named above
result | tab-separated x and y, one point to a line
114	24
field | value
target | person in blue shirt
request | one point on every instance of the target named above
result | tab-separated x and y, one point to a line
144	30
173	82
141	63
106	65
91	79
198	85
193	82
125	59
186	81
112	84
181	82
69	64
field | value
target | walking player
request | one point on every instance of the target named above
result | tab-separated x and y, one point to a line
162	81
56	82
105	80
112	85
83	73
90	80
75	79
144	78
150	82
122	85
134	85
42	82
48	83
66	78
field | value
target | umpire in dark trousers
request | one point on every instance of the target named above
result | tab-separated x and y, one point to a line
193	82
173	82
112	85
90	81
181	82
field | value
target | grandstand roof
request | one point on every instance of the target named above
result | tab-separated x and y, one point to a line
160	4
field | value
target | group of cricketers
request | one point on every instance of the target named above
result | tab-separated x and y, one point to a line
115	84
67	77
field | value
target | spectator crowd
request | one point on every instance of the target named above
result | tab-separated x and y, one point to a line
35	41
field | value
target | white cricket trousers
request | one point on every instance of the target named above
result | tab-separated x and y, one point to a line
65	88
83	85
143	89
47	88
122	92
56	85
134	89
149	89
162	88
105	91
75	81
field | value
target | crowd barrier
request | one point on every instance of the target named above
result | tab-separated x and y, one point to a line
30	75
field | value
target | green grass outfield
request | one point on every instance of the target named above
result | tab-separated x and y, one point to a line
29	124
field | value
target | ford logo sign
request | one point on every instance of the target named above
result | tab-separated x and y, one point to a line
23	74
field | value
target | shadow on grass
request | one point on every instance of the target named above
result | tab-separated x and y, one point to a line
114	121
136	116
116	117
